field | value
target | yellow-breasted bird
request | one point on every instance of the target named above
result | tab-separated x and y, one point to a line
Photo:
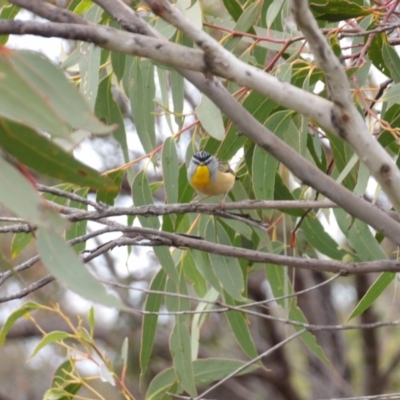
209	175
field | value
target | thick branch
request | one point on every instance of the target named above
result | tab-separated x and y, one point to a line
138	235
347	122
160	50
222	62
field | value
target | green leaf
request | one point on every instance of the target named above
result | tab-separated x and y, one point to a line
227	269
338	10
142	195
185	191
273	11
89	60
375	53
178	303
263	176
108	196
181	354
234	8
240	328
18	195
91	320
319	239
359	237
107	108
40	154
63	385
164	256
283	193
203	264
199	318
38	94
78	228
63	263
125	351
210	118
244	24
49	338
189	268
281	286
117	59
153	304
342	154
14	316
392	61
205	372
142	94
118	64
170	167
392	95
19	242
178	96
373	293
8	12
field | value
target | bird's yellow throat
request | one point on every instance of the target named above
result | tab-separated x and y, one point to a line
201	177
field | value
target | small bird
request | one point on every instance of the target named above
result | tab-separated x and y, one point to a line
209	175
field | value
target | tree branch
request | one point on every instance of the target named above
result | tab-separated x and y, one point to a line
172	54
347	122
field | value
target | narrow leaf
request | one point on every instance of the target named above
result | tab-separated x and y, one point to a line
39	153
48	100
227	269
240	328
373	293
49	338
14	316
153	304
210	118
170	167
181	354
18	195
142	95
63	263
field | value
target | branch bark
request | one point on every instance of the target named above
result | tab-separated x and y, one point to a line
347	122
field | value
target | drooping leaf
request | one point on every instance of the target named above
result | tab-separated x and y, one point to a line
240	328
107	108
373	293
62	379
19	196
338	10
38	94
49	338
14	316
19	242
37	152
205	372
78	228
142	93
227	269
181	354
63	263
210	118
170	169
280	287
153	304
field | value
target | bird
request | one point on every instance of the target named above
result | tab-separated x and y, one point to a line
209	175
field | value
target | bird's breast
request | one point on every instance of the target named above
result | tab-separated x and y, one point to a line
201	177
